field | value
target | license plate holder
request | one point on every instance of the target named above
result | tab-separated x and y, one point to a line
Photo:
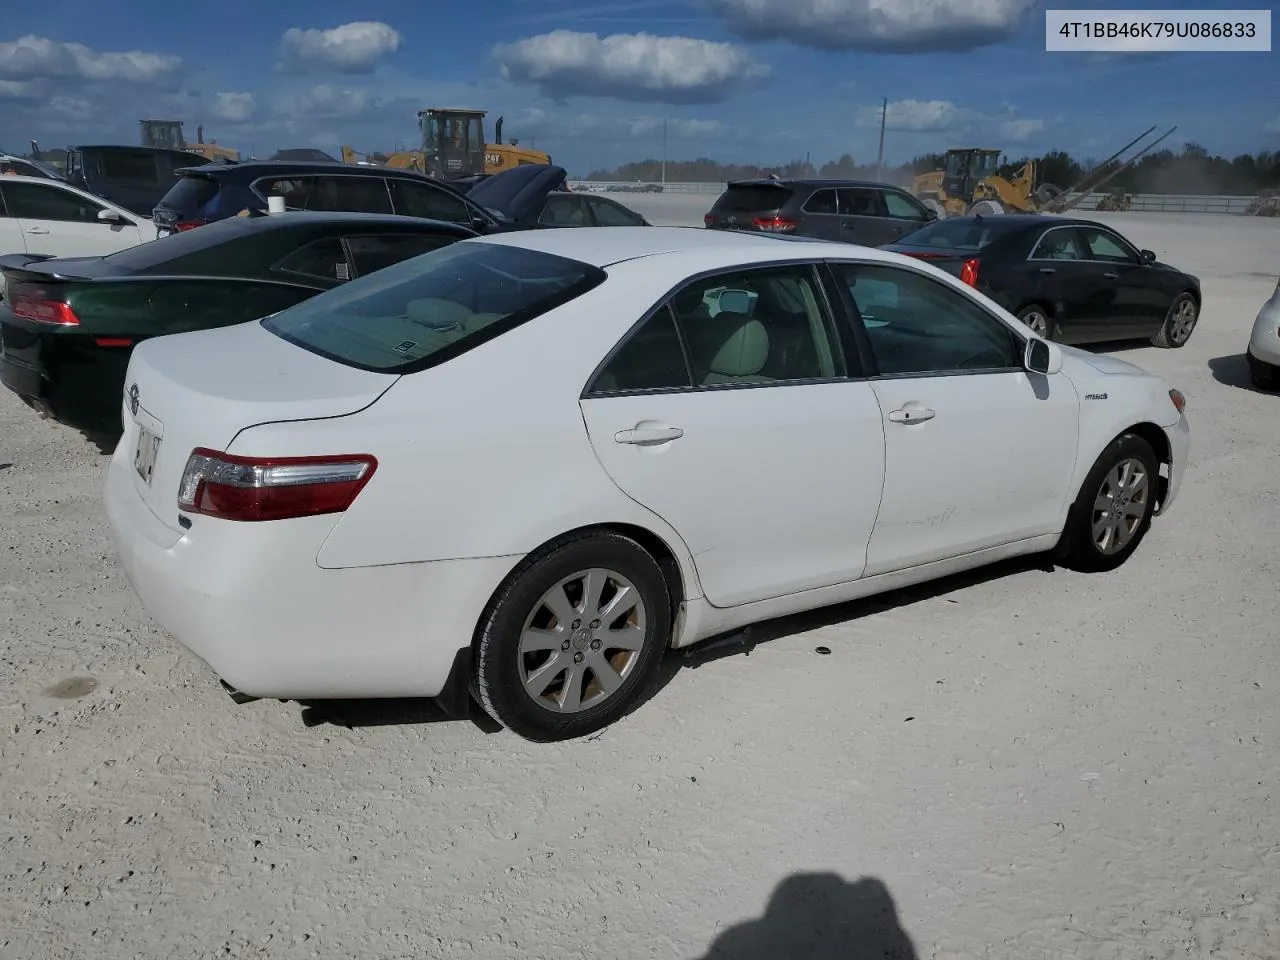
144	454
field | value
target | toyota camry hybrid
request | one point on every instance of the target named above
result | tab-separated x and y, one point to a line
520	467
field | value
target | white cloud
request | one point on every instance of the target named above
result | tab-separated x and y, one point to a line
236	107
1272	126
901	26
23	90
937	116
326	103
71	108
31	57
638	67
642	127
351	48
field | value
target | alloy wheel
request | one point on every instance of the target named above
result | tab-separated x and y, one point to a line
582	640
1120	506
1184	320
1037	322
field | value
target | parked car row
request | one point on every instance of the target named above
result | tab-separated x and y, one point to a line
69	322
1075	281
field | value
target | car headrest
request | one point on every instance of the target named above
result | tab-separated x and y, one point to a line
730	344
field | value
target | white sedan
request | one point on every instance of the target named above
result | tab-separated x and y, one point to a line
45	216
525	465
1263	353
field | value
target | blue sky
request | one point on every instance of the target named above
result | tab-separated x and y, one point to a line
594	81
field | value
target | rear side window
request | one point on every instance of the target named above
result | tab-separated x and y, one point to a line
138	166
190	195
350	194
427	310
823	201
372	253
320	258
751	198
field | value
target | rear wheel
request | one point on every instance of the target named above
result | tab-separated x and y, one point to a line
1113	510
1037	320
573	638
1178	322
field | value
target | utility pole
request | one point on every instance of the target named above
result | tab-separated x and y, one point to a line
664	149
884	113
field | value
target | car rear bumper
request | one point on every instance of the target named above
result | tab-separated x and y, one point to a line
1180	446
250	601
66	376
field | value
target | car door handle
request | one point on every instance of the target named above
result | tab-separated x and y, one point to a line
1048	269
911	415
37	230
648	435
1112	276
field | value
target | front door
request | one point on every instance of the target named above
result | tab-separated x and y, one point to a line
1138	303
1060	276
57	221
728	414
978	452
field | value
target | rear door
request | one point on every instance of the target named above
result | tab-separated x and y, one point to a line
728	412
60	222
862	218
820	215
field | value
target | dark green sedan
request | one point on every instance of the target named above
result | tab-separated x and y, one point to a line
68	325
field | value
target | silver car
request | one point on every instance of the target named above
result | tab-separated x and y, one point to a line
1264	345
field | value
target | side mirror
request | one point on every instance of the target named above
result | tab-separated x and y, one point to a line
1148	256
930	215
1042	357
110	216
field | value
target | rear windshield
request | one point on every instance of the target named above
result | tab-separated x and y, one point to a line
136	166
963	234
751	198
190	194
425	311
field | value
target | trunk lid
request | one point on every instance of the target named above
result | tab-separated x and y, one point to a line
949	259
201	389
518	194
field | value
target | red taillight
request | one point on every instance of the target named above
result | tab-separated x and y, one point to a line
271	488
774	224
969	273
39	307
708	219
182	225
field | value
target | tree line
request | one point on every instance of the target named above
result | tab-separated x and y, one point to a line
1190	171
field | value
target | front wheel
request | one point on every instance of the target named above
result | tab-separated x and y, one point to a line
573	637
1113	510
1178	322
1037	320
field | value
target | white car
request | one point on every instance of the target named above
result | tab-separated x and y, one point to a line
1264	345
45	216
526	464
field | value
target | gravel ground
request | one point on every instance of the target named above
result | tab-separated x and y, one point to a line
1018	764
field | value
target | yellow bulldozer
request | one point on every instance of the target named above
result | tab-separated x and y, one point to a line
969	183
167	135
453	147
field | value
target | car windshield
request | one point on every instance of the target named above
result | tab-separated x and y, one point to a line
963	234
424	311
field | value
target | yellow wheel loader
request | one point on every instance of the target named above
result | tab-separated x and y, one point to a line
167	135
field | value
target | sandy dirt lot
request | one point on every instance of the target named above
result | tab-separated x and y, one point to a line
1021	764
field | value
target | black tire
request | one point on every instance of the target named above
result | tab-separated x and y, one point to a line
1032	310
1263	375
499	665
1171	335
1078	549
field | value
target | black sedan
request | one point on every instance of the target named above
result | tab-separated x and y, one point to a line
68	325
1075	281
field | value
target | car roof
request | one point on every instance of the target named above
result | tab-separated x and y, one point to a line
259	167
301	217
605	246
812	182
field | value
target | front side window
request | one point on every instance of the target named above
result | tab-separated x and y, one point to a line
38	201
424	311
1104	245
917	325
414	199
611	215
902	207
1062	243
823	201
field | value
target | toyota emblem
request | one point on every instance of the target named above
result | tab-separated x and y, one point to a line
133	399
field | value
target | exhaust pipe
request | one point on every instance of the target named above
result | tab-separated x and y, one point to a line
236	695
